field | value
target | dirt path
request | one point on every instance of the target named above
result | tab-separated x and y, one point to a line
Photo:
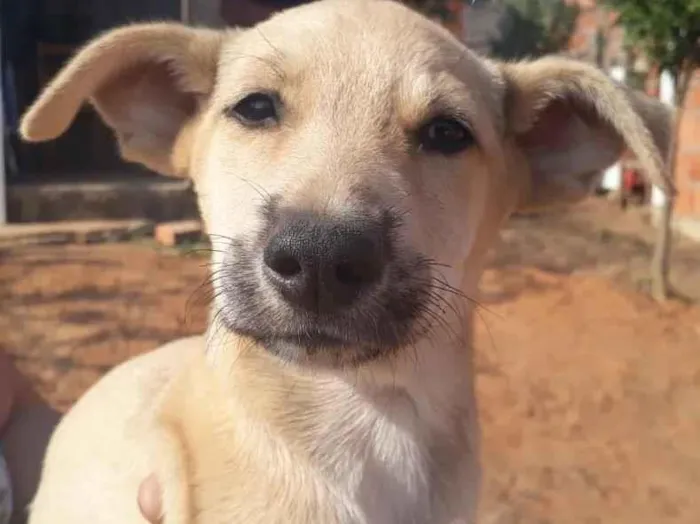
590	401
589	392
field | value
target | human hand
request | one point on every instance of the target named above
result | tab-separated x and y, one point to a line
150	500
15	391
26	424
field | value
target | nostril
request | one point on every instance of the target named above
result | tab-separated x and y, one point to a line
284	265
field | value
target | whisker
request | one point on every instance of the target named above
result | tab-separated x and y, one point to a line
259	189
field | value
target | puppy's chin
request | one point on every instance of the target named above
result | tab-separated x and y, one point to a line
327	345
317	350
328	354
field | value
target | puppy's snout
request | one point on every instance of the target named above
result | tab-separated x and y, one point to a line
320	265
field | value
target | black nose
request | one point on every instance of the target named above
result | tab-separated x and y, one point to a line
320	265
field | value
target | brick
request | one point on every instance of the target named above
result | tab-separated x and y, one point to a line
81	231
692	99
651	82
695	81
688	201
582	4
590	19
456	7
579	42
587	21
689	129
684	205
688	167
695	199
176	233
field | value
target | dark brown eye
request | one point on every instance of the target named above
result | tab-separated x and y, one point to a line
256	110
445	135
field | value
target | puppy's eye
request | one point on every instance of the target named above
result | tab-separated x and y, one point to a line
255	110
445	135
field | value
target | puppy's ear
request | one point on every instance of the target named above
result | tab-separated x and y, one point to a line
572	122
147	82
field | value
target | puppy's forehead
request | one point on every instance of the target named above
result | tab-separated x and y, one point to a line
370	47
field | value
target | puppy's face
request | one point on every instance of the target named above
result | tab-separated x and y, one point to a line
352	160
336	175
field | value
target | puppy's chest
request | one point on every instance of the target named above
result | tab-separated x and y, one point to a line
381	473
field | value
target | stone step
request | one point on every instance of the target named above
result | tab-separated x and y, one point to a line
83	231
154	199
180	232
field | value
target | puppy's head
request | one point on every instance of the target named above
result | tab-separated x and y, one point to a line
352	160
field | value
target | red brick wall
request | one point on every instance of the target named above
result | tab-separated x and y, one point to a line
584	41
688	162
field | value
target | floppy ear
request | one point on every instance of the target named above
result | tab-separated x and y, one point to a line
147	82
572	122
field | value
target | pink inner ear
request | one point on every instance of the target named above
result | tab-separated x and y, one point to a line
552	127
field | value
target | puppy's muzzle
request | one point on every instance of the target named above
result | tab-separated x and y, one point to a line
325	288
322	265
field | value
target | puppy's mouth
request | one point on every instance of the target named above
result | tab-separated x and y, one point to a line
325	292
318	348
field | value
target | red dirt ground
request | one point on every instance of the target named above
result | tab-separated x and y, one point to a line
589	391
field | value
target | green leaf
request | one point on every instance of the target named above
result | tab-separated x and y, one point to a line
667	31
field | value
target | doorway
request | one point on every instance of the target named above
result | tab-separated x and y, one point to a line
39	36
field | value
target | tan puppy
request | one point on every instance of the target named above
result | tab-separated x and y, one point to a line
353	164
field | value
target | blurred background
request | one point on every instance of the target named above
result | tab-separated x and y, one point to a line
588	337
